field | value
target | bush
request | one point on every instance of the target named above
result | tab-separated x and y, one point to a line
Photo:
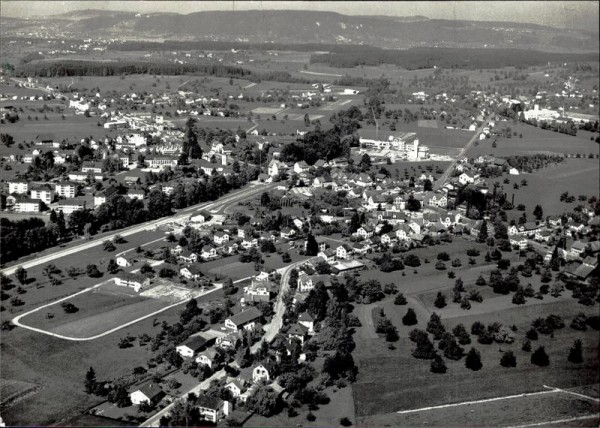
508	359
540	358
526	345
440	266
345	422
69	308
410	318
465	304
576	352
480	281
473	360
477	328
400	299
532	334
443	256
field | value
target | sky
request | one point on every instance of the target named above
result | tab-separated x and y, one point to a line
562	14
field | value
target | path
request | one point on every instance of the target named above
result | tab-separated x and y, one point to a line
16	320
320	74
366	319
154	421
442	179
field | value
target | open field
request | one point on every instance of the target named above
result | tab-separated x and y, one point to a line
535	140
58	367
380	391
100	310
544	187
522	410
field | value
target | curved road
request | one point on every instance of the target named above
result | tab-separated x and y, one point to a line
180	216
276	323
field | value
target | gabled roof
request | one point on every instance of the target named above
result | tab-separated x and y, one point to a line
244	317
209	402
195	343
149	389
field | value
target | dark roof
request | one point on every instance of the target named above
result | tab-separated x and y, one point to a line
150	390
195	343
246	316
195	269
208	402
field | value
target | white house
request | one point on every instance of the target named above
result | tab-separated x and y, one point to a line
212	409
66	189
246	320
261	372
192	346
148	392
19	187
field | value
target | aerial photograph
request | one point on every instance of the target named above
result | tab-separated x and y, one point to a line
300	213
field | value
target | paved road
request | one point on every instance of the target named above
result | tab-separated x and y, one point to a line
154	421
276	323
182	215
444	177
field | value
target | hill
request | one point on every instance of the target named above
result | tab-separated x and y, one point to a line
257	26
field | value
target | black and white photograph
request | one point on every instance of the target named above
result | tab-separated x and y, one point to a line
299	213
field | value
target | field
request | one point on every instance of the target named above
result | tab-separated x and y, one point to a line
391	380
544	187
534	140
100	310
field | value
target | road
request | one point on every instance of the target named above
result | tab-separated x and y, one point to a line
444	177
276	323
182	215
154	421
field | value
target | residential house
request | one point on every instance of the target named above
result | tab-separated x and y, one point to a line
202	216
247	319
133	280
20	187
577	248
307	321
148	392
308	282
206	357
518	241
68	206
208	252
212	409
193	271
360	248
135	194
328	255
263	372
299	332
343	251
66	189
543	236
188	257
287	233
193	345
23	204
236	386
466	178
276	167
93	167
123	261
220	238
365	231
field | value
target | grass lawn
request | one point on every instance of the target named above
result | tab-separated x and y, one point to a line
392	380
341	405
535	140
58	367
544	187
101	309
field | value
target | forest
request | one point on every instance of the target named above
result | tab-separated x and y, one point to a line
421	58
118	68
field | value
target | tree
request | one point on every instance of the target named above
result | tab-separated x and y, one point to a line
410	318
92	271
540	358
460	332
345	422
538	212
21	274
526	345
265	402
576	352
438	365
473	360
508	359
483	232
112	267
400	299
440	300
312	247
435	326
90	381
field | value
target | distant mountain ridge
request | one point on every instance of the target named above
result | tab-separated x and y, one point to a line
292	26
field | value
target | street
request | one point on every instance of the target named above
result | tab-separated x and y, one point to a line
229	199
